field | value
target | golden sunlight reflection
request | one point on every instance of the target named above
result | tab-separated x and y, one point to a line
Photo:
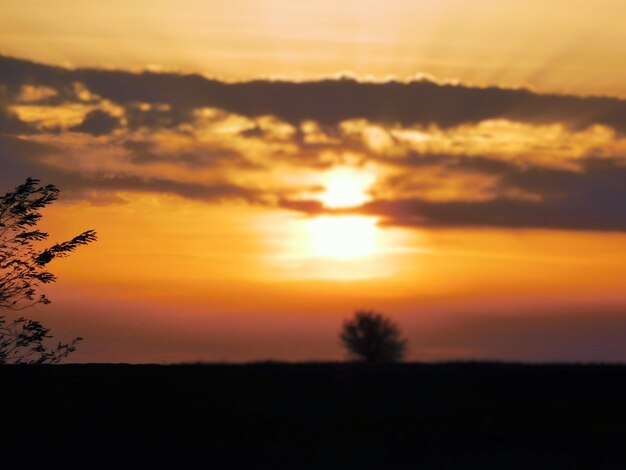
343	237
346	187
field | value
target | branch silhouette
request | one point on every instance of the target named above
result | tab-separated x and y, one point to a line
23	271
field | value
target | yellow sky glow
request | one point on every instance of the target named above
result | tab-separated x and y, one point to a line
346	187
343	237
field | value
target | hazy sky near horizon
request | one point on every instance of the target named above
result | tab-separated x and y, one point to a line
258	170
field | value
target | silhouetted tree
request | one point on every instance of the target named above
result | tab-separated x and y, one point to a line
371	337
23	270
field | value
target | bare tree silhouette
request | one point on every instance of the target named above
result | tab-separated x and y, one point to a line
23	270
371	337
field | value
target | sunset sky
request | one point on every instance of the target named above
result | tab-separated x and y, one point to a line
258	170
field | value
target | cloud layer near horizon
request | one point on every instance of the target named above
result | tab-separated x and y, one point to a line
440	155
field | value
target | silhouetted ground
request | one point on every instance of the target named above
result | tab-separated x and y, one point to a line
302	416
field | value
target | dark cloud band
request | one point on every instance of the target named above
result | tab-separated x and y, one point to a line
590	198
325	101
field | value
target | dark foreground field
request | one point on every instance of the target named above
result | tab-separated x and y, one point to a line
319	415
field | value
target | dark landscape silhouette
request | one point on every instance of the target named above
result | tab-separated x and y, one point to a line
325	415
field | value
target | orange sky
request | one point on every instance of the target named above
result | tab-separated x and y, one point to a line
245	221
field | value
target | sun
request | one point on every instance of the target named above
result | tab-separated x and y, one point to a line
346	187
343	237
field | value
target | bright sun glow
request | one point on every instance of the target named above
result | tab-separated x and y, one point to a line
346	187
343	237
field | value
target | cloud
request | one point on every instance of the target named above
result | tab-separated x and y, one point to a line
328	102
503	213
591	199
11	124
460	162
332	101
152	116
146	152
271	143
97	123
23	158
309	207
185	189
16	74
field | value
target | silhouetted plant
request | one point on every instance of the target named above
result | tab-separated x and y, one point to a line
371	337
23	270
